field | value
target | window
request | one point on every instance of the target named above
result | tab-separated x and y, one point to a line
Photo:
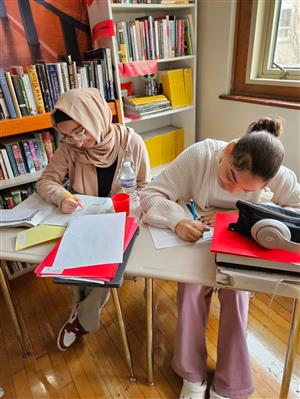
267	50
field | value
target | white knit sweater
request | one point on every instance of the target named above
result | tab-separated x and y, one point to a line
193	175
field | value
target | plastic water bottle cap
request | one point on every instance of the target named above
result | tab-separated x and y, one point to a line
127	164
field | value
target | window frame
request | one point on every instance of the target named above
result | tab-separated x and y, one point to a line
241	85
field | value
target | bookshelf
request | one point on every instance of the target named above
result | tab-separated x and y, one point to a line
101	10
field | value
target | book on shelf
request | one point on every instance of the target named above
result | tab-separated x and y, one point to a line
18	70
155	37
177	86
21	95
145	108
27	153
163	144
6	94
11	198
35	88
12	93
42	75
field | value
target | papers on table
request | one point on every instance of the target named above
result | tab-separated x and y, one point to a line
92	206
166	238
92	240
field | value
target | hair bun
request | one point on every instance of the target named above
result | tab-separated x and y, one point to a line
273	126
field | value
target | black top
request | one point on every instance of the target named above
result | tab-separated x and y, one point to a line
105	178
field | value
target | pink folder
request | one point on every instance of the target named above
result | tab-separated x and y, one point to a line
103	272
235	243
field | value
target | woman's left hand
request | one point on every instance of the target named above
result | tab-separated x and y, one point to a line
209	219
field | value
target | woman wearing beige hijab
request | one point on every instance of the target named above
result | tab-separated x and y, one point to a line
90	155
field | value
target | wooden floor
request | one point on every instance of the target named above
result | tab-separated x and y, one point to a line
95	367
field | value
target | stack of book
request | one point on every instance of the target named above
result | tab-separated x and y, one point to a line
11	198
34	89
152	37
164	144
177	86
27	154
142	106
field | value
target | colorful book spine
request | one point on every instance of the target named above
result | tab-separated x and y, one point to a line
27	155
12	93
48	145
12	160
3	168
40	69
36	88
7	163
19	95
18	157
53	81
3	105
40	150
65	76
29	94
33	145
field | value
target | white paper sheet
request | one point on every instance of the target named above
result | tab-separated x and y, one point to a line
92	240
92	206
16	215
166	238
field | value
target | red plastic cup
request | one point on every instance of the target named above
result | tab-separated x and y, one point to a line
121	202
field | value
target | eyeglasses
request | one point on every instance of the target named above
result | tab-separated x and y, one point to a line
77	137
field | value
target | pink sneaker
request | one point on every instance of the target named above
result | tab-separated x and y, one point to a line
70	331
193	390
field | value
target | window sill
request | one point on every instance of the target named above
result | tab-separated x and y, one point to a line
263	101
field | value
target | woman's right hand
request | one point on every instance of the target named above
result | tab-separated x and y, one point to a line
190	230
68	206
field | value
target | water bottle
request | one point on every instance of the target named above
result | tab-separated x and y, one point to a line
128	183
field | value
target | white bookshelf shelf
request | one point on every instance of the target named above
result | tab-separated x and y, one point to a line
19	180
137	7
183	57
159	114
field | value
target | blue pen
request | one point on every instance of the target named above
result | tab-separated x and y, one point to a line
195	217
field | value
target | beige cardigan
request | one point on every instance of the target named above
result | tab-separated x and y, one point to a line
63	164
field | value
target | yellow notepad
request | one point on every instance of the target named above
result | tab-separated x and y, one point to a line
37	235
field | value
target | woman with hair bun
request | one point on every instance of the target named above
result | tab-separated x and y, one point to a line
217	174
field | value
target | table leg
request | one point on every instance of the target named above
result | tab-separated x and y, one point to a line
149	315
122	327
291	350
13	313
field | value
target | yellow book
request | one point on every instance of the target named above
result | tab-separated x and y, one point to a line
188	77
37	235
36	88
123	52
153	145
168	147
179	141
147	99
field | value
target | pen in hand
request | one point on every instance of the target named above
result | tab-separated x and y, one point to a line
69	195
192	209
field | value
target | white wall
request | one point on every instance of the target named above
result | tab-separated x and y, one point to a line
223	119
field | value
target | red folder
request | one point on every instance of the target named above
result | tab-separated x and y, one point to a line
231	242
103	272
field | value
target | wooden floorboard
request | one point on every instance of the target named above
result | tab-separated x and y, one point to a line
95	366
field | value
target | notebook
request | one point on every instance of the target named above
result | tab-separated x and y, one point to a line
35	210
233	248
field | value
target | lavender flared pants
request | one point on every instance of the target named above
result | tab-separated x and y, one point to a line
232	376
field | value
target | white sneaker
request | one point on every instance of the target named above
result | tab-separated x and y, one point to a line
214	395
193	390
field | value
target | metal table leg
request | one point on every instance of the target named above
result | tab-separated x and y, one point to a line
13	313
125	342
291	350
149	315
